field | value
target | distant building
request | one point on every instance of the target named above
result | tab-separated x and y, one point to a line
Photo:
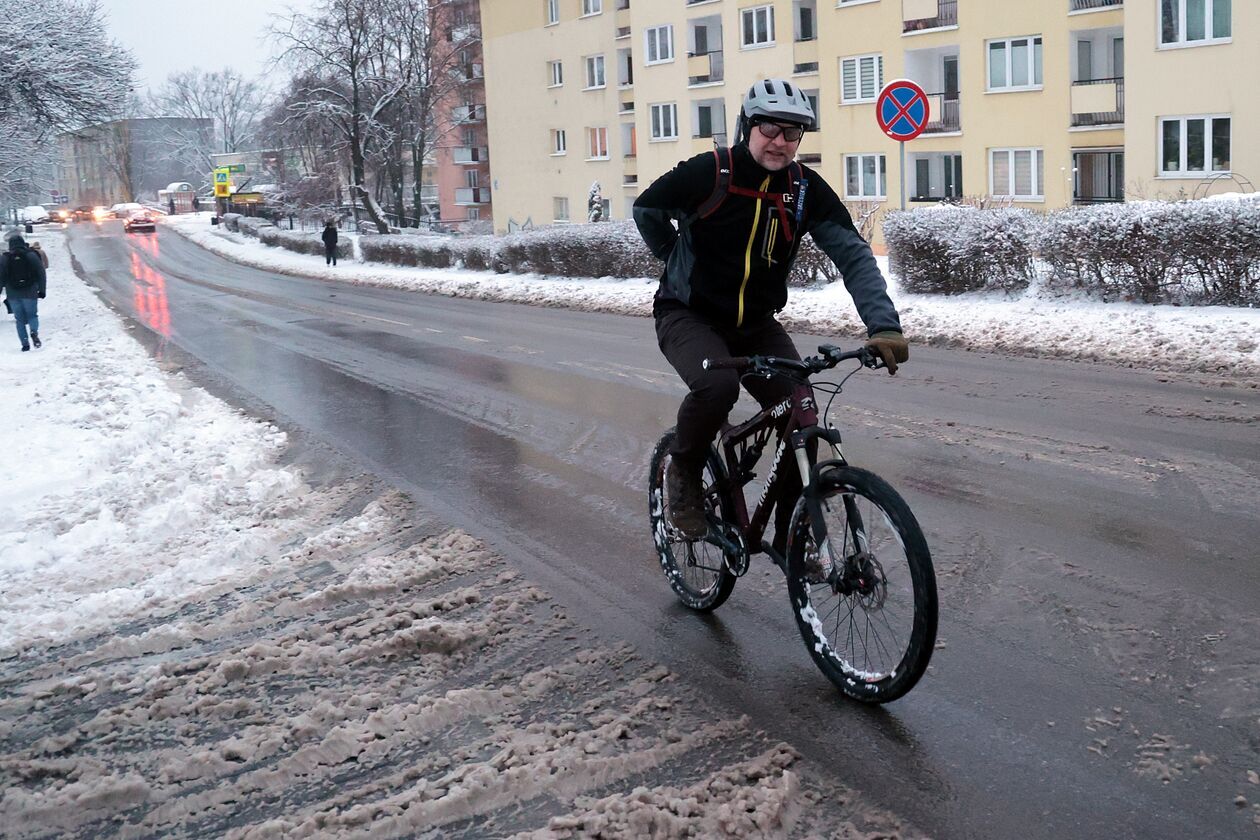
462	153
127	160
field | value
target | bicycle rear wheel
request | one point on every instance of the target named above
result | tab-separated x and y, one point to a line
866	604
697	571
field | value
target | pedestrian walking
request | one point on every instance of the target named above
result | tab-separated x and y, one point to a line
330	243
25	282
39	249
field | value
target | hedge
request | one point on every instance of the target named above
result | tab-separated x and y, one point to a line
950	250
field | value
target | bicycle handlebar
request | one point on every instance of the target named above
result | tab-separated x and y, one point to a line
829	358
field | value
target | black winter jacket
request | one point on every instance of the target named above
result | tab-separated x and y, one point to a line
329	236
34	264
732	266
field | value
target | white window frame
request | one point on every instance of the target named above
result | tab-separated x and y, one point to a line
1209	9
593	61
769	21
592	7
553	12
1182	171
842	4
652	38
881	176
855	61
557	73
1033	83
1037	176
559	142
670	108
559	205
597	143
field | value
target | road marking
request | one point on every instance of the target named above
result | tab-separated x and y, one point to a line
430	329
474	338
386	320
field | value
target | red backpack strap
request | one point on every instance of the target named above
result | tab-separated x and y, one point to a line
723	164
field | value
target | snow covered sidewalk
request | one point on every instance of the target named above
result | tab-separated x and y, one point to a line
126	490
1211	339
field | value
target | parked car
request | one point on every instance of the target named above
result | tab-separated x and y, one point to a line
140	220
34	214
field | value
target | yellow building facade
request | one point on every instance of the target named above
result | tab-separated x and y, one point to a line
1036	103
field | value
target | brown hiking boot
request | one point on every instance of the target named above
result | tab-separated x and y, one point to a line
686	502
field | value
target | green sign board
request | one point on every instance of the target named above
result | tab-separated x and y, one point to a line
236	167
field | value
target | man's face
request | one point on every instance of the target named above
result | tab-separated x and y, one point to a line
773	153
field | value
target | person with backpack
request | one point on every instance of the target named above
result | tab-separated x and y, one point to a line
25	282
330	242
741	213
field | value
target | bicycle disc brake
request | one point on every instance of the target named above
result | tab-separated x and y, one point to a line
728	538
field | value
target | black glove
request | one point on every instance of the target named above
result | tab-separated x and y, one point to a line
43	295
891	347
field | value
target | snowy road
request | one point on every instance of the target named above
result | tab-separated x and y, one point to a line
1093	528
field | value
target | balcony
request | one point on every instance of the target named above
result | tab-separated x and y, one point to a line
705	68
707	142
471	72
805	53
945	114
472	195
1098	176
1091	5
920	15
469	113
1098	102
471	154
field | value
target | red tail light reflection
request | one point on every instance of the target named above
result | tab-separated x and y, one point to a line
150	290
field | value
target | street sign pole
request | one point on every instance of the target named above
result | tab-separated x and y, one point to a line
903	174
902	112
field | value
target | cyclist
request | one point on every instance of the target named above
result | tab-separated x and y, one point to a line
741	214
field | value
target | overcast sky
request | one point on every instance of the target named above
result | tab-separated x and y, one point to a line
174	35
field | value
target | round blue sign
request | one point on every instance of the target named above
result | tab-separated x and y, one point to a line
902	110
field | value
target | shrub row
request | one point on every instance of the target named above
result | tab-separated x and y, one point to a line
950	250
1194	252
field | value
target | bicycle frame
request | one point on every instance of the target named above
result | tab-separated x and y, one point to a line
742	446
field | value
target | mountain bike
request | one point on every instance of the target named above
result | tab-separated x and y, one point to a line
858	569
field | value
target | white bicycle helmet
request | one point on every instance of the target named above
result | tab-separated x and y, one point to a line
779	100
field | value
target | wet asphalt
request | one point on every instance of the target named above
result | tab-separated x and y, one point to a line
1094	530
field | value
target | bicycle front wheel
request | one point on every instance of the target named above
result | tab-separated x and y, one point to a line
865	603
697	571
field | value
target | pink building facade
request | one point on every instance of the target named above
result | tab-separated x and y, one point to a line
462	154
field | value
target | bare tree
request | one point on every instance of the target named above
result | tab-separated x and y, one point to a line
60	71
342	45
231	100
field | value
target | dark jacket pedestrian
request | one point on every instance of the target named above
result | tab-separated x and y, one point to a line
330	243
25	281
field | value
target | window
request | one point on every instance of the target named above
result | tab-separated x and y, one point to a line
559	145
805	30
1194	146
812	96
557	73
861	78
865	177
553	11
597	143
660	44
592	7
594	71
1017	173
473	214
1015	64
757	26
559	209
471	178
665	121
1195	21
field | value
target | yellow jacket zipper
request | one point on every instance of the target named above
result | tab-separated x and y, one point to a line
752	235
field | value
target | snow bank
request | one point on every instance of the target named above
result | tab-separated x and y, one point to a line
1036	322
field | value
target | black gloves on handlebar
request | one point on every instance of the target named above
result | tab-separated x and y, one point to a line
891	347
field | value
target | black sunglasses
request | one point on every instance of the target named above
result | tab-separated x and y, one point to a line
771	130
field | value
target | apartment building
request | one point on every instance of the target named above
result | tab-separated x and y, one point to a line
1042	103
461	155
